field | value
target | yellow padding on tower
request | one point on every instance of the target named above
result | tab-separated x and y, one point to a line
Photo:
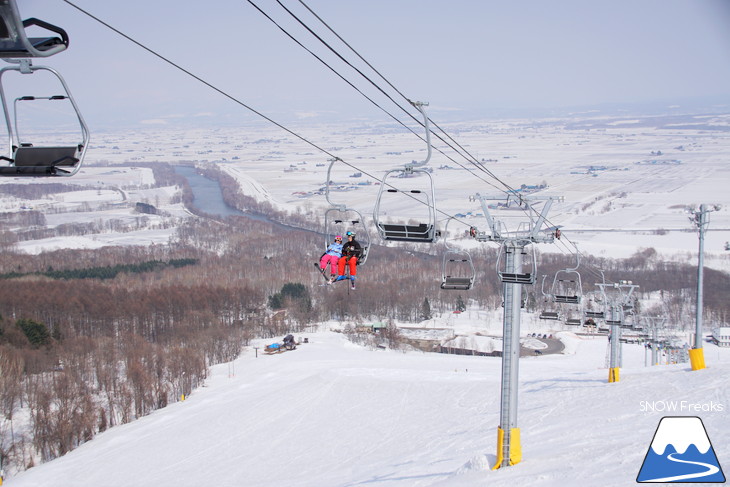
515	447
697	358
613	374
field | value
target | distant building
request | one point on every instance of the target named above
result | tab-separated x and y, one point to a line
721	336
145	208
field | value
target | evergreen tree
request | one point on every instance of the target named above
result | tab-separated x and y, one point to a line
37	333
426	310
460	305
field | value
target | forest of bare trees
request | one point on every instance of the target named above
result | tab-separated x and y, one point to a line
81	354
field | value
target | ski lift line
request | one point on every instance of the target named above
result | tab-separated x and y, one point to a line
374	84
234	99
237	101
480	167
474	160
198	78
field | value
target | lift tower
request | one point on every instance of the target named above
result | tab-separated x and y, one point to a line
513	273
617	297
701	219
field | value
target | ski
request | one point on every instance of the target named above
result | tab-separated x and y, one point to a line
323	272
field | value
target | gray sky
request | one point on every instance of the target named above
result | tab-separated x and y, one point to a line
467	58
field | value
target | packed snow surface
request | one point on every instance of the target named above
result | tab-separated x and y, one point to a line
332	413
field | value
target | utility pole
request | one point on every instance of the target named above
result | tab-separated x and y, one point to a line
513	275
701	219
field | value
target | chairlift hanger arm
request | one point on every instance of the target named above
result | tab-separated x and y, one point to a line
419	106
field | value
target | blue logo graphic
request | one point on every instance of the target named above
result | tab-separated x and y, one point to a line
681	452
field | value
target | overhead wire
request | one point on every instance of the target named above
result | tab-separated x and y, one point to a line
226	94
338	74
473	159
269	119
509	190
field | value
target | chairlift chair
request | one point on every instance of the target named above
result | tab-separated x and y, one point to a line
338	219
14	42
567	287
396	227
550	315
517	277
457	268
33	157
547	314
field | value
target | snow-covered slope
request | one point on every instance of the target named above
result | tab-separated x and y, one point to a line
332	413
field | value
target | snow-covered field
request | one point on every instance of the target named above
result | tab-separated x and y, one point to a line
626	183
331	413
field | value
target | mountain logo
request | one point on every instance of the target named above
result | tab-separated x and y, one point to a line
680	452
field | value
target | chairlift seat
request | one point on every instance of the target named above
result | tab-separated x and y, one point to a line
41	161
573	322
549	315
613	322
457	283
516	278
567	299
407	233
11	49
594	314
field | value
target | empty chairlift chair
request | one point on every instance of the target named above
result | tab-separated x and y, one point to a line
457	268
567	287
419	228
34	157
511	275
547	314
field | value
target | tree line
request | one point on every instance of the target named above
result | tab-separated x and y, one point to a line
82	350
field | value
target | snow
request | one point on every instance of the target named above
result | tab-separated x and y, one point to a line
332	413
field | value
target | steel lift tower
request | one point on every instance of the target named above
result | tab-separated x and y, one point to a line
701	219
618	296
513	273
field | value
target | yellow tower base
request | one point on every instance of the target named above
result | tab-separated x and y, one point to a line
515	447
697	358
613	374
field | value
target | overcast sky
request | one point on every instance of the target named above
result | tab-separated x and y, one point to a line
467	58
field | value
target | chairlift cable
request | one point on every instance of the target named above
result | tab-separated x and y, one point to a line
473	159
227	95
288	34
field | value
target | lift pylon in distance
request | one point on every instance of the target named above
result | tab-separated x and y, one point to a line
45	148
405	208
